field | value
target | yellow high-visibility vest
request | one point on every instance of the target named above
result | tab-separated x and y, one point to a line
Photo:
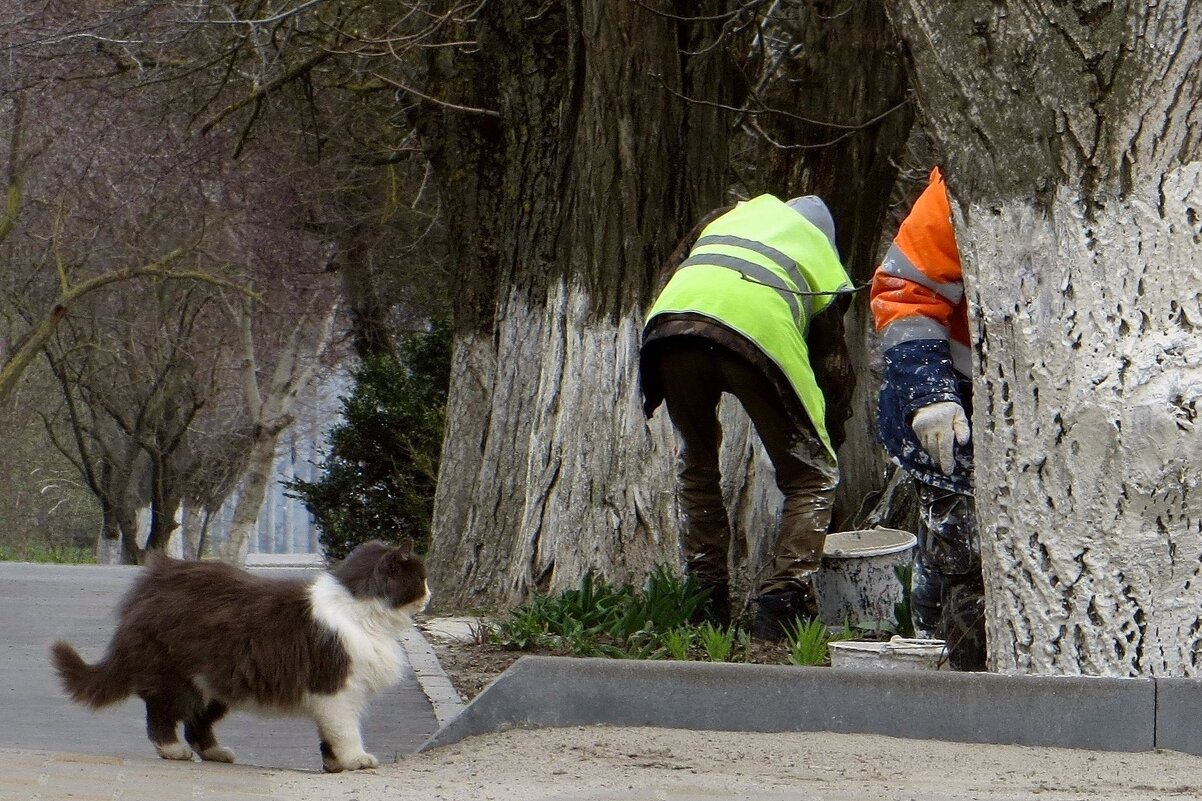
763	271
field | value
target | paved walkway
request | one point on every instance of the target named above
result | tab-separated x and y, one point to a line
41	603
51	749
50	776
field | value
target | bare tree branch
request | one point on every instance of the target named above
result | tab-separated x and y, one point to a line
28	348
259	93
12	204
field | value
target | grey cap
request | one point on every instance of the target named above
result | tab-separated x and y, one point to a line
813	209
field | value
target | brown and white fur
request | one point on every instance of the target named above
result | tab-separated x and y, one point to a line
197	639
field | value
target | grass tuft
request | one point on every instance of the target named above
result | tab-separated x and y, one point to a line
47	553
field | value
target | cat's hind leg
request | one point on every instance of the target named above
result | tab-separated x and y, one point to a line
163	713
337	718
198	731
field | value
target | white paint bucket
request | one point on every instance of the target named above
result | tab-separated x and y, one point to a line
856	583
897	654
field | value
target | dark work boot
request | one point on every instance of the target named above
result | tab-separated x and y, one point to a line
715	609
963	624
780	610
926	600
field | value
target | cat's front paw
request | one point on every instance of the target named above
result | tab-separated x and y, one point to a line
218	753
176	750
358	761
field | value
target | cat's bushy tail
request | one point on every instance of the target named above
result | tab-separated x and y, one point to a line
91	685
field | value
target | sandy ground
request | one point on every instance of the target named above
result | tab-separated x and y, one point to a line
608	764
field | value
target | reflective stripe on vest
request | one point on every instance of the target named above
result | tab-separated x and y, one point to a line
763	271
799	295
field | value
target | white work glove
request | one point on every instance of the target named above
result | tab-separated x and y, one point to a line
936	426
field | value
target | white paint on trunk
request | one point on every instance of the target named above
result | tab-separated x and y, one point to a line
108	551
1089	451
550	468
193	523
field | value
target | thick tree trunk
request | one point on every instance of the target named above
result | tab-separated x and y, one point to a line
131	549
839	88
108	544
562	209
192	530
166	496
1073	155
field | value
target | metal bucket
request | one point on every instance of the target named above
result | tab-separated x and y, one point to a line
856	583
897	654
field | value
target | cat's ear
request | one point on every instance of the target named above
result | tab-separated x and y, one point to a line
405	548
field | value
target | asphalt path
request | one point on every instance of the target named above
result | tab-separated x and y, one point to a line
42	603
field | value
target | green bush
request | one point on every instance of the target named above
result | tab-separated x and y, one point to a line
381	471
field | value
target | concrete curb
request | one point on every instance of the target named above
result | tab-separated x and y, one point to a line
432	679
1103	714
307	561
1177	705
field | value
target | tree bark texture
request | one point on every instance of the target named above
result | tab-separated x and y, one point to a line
1071	141
563	200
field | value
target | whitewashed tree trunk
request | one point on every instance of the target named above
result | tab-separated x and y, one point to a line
108	551
585	139
175	543
571	499
1089	461
561	205
1073	154
272	410
595	484
251	492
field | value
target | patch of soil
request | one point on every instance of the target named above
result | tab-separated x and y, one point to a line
472	666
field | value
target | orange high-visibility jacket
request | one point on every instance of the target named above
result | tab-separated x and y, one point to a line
918	291
920	313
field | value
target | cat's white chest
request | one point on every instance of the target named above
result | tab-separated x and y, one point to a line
376	660
368	631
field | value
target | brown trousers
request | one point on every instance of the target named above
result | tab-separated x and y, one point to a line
695	374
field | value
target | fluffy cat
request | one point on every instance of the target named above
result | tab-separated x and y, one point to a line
197	639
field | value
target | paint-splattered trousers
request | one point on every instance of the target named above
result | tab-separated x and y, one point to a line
695	374
947	593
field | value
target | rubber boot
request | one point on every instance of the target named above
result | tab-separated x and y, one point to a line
715	609
926	600
778	613
963	623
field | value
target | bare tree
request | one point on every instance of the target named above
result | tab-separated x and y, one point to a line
271	405
1070	141
131	392
70	288
127	90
